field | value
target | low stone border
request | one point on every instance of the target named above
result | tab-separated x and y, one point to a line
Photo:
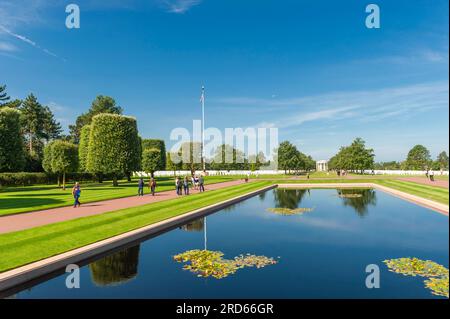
27	273
30	272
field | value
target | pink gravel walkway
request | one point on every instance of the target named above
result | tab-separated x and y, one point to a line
425	181
49	216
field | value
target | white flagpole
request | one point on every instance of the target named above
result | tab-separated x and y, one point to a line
203	128
204	227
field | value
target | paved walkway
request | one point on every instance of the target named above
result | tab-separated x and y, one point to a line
55	215
425	181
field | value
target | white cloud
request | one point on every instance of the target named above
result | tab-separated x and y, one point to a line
363	106
27	41
180	6
7	47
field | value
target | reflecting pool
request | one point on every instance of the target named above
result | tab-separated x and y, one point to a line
320	253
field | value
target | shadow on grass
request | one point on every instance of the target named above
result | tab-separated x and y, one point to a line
18	202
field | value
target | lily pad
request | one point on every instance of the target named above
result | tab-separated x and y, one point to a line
287	211
416	267
437	275
438	286
206	263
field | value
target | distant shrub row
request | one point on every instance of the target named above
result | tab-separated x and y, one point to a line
25	179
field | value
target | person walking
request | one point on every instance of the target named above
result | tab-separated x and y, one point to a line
76	192
152	186
431	173
201	183
141	187
194	182
178	185
186	185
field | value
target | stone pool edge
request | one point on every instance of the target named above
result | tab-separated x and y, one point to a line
427	203
27	273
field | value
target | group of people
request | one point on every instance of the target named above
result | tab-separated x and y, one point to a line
151	186
185	183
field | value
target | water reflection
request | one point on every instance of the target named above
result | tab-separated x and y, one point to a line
117	268
289	198
359	204
195	226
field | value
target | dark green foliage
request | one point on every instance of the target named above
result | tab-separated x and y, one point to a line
83	147
101	104
117	268
114	145
291	159
227	157
393	165
151	160
159	145
418	158
38	125
4	97
355	157
60	157
442	161
12	156
24	179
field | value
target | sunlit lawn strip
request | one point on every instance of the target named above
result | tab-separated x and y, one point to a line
23	199
23	247
437	194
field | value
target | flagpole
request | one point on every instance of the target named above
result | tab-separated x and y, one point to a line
203	128
204	228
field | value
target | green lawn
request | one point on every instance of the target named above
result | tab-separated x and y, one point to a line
23	247
434	193
15	200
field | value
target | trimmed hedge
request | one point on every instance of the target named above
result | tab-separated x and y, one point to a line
26	179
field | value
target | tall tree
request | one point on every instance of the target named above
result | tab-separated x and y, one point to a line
287	156
33	118
60	157
418	158
5	100
159	145
191	156
174	162
151	161
226	157
101	104
83	147
442	161
355	157
114	145
4	97
12	157
51	129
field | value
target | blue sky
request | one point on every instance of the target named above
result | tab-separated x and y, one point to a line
310	68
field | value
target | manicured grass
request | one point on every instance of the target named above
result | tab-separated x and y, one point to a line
23	247
434	193
15	200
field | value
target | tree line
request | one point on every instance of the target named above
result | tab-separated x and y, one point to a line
418	158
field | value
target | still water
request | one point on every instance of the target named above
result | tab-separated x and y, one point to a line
319	254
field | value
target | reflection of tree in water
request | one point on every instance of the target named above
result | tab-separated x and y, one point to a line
262	196
117	268
359	204
288	198
195	225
